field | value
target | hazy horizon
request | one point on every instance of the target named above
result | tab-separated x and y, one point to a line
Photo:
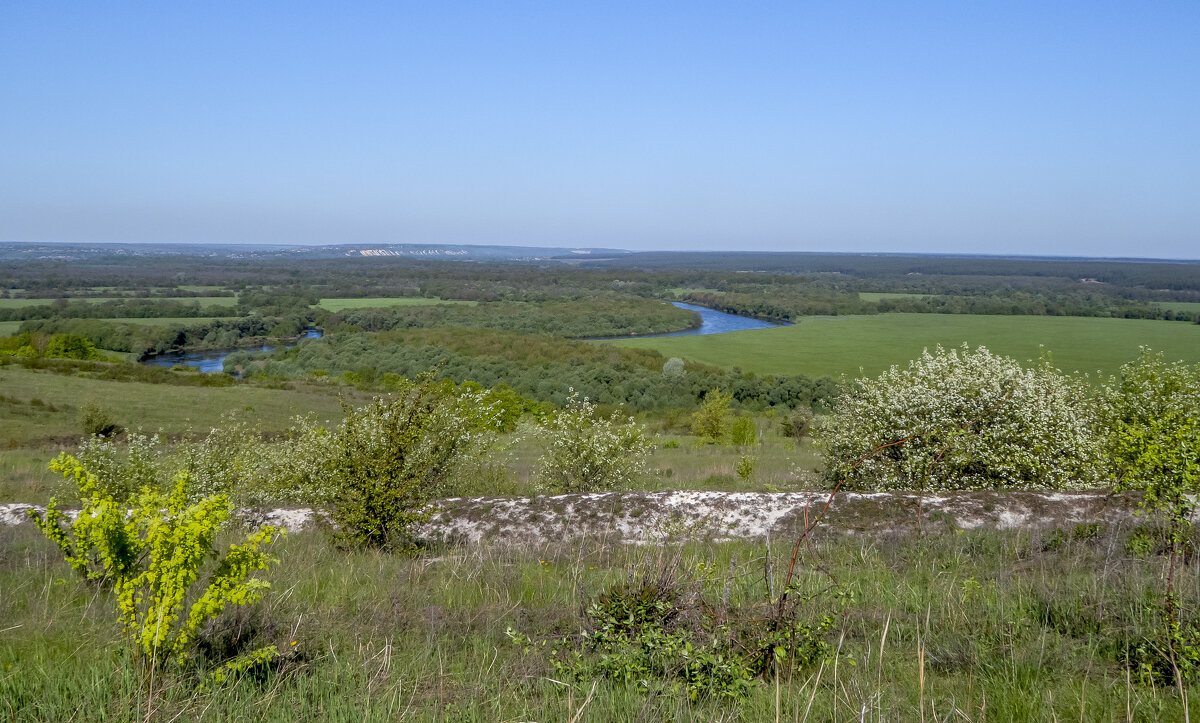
997	129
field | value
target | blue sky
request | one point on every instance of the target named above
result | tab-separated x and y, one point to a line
1005	127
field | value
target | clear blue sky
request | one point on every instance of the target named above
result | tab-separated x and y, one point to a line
998	127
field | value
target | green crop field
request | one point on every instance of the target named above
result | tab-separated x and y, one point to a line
167	320
342	304
845	344
199	300
1180	305
877	295
8	328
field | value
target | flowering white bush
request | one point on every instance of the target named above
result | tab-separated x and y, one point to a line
123	473
584	452
231	460
963	419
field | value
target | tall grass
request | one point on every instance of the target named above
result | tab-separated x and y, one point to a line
969	626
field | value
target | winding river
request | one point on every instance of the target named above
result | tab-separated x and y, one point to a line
209	361
711	322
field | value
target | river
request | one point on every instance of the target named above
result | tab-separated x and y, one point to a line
711	322
212	360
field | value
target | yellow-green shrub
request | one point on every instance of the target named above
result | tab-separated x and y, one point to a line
152	557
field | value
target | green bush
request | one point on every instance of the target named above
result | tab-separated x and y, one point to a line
377	471
711	422
1154	432
743	432
797	423
97	421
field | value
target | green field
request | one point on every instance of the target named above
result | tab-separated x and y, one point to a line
685	290
39	414
1180	305
8	328
166	320
343	304
199	300
877	295
173	409
847	344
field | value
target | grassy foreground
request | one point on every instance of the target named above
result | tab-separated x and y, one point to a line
867	345
974	626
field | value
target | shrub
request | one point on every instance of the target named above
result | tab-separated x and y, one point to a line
659	633
378	470
97	421
796	423
584	452
1154	432
123	474
743	433
152	557
711	422
963	419
673	369
745	467
70	346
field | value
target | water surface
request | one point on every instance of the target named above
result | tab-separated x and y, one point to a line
209	361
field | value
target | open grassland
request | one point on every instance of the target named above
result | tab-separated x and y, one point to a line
39	416
198	300
877	295
974	626
854	345
374	303
1189	306
166	320
8	328
152	407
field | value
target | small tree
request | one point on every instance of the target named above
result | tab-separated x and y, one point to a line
743	432
711	422
584	452
97	421
797	423
673	369
378	470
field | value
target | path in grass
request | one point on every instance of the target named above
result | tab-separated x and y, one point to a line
847	344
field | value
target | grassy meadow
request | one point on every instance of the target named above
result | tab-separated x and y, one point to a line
165	320
857	345
198	300
39	416
880	295
372	303
977	626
